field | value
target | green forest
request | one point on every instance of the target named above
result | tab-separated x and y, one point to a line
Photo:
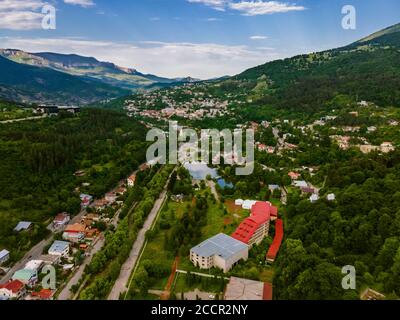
39	159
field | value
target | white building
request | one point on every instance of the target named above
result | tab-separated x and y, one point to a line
59	248
220	251
34	265
4	256
314	198
331	197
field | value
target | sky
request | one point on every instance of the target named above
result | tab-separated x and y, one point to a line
198	38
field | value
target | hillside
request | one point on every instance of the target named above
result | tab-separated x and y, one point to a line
20	82
89	67
368	69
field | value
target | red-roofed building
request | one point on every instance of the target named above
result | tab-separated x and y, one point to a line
276	244
12	290
267	294
256	227
44	294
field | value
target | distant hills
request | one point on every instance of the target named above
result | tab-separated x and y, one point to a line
368	69
69	78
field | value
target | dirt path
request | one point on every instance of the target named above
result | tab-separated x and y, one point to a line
167	291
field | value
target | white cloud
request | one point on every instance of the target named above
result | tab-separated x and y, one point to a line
21	14
199	60
215	4
82	3
258	37
213	19
252	7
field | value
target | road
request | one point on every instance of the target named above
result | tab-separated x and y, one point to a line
66	293
23	119
35	252
211	184
120	284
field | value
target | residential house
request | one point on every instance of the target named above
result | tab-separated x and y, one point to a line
14	289
59	248
300	184
111	197
239	202
131	180
34	265
331	197
387	147
74	232
294	175
4	256
273	187
26	276
314	198
85	200
50	259
306	190
44	294
220	251
22	226
61	220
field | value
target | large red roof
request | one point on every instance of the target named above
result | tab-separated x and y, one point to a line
276	244
260	213
14	286
267	294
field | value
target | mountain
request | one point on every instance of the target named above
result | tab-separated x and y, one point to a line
368	69
27	83
88	67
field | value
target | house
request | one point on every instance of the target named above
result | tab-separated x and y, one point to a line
14	289
300	184
23	225
34	265
111	197
50	260
294	175
4	256
239	202
244	289
331	197
273	187
248	204
314	198
44	294
100	204
26	276
220	251
74	232
370	294
256	227
59	248
387	147
276	243
131	181
85	199
306	190
61	220
91	233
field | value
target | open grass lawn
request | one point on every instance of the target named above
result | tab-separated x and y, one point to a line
203	284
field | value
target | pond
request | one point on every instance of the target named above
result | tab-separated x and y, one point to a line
200	171
224	185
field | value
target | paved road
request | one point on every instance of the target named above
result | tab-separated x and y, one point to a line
120	284
35	252
66	293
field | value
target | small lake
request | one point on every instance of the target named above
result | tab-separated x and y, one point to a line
200	171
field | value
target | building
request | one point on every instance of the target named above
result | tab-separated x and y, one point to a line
34	265
50	260
44	294
276	243
220	251
331	197
61	220
314	198
131	181
59	248
239	202
294	175
256	227
387	147
300	184
26	276
244	289
74	232
86	199
23	225
14	289
111	197
4	256
248	204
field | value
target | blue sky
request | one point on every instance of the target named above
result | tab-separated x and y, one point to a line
200	38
